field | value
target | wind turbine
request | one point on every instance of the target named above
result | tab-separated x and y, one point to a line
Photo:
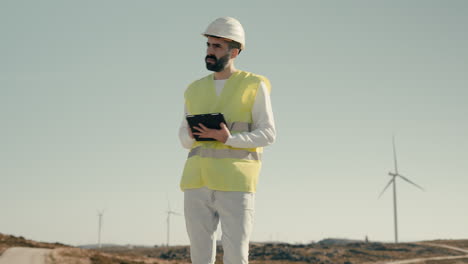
169	212
394	175
100	214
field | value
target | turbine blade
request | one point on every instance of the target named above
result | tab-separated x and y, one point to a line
388	184
394	154
168	204
406	179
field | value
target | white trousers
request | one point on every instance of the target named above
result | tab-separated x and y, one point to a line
203	209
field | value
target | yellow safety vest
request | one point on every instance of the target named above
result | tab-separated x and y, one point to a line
213	164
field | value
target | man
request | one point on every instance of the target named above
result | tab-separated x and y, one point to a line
220	177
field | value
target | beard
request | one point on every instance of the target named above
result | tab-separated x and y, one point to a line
218	65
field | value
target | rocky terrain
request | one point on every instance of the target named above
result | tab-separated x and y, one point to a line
328	251
324	252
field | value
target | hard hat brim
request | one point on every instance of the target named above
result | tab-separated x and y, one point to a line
221	37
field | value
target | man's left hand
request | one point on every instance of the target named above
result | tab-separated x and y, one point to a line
220	135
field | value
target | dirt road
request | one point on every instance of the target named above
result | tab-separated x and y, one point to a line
20	255
418	260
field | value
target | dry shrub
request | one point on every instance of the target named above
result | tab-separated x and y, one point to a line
84	256
69	256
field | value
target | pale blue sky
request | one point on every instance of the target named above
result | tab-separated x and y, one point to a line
91	97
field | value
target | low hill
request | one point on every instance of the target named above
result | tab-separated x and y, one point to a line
7	241
328	251
64	254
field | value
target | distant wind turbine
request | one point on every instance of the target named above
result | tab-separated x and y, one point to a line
169	212
100	214
394	175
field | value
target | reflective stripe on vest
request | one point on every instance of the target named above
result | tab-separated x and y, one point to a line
224	153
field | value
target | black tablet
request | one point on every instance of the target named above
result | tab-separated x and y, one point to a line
211	120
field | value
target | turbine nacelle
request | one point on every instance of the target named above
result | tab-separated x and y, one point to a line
172	212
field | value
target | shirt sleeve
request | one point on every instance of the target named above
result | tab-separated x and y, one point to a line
263	127
184	137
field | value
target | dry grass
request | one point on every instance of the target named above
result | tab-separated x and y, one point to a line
69	256
86	256
272	262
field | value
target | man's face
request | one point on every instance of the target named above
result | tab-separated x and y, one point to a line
217	54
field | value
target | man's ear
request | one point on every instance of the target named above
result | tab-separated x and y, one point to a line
234	53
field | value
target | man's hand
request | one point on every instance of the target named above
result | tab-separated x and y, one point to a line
220	135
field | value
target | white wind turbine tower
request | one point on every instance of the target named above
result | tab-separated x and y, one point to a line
394	175
169	212
100	214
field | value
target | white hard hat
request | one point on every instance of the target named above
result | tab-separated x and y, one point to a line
227	27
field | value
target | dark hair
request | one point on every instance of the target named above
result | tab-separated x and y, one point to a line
234	45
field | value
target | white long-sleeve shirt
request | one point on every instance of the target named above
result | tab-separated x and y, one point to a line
263	125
